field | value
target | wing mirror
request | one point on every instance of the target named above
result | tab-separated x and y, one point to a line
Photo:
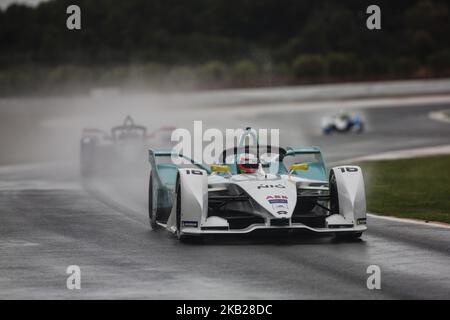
299	166
220	168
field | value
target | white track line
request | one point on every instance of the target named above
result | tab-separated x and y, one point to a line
440	116
412	221
354	104
400	154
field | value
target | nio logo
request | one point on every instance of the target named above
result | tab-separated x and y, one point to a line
265	186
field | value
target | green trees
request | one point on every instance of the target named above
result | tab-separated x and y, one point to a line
213	71
309	66
226	42
338	65
343	65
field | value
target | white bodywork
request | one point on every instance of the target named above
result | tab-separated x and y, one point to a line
352	198
273	197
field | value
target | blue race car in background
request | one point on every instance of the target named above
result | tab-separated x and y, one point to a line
343	122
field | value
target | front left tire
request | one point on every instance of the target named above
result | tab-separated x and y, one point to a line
180	236
152	212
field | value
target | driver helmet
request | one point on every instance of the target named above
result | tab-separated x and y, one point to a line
247	163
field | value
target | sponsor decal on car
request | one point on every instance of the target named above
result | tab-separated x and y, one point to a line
268	186
277	199
278	202
361	221
193	224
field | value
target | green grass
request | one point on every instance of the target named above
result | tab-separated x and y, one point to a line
409	188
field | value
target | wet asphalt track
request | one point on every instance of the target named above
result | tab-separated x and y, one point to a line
49	221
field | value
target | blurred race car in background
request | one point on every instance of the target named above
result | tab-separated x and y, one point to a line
121	149
343	122
255	189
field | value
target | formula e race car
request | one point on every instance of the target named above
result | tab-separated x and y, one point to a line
126	145
255	189
342	123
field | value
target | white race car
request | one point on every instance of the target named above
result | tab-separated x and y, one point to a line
255	189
